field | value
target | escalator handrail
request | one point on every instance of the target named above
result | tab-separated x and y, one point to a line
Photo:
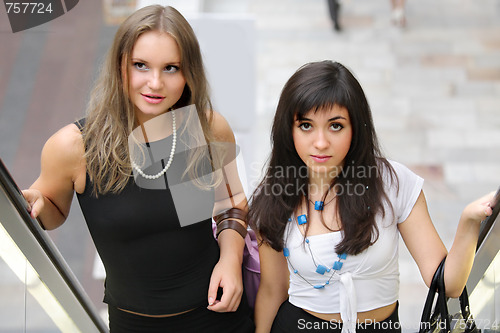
51	251
488	223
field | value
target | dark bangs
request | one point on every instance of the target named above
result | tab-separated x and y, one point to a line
319	86
323	98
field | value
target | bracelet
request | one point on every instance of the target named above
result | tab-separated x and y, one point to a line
234	213
231	224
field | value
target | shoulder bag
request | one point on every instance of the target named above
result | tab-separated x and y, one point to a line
439	319
251	265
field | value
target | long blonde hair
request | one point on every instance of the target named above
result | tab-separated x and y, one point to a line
110	114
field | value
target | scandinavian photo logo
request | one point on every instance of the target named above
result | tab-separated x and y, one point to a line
26	14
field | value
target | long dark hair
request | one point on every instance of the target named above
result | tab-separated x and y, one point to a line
316	86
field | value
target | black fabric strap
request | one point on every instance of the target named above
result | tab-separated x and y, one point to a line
80	123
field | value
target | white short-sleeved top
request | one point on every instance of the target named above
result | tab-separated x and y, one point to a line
366	281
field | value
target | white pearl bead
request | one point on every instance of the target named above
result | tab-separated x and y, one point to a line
170	158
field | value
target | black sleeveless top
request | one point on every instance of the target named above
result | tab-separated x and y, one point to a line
156	263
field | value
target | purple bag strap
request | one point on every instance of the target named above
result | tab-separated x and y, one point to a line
252	248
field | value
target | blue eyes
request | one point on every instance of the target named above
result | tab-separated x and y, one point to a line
168	69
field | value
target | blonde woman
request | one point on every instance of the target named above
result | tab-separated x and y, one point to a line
149	130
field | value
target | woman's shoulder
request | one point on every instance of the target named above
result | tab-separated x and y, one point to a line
394	174
66	144
401	170
401	177
63	156
70	133
220	127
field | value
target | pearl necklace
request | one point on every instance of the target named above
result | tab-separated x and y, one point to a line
170	158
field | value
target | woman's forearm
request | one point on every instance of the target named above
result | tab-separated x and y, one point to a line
266	308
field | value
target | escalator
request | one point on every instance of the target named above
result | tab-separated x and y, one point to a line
484	281
38	291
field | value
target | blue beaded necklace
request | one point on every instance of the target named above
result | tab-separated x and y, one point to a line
320	269
318	205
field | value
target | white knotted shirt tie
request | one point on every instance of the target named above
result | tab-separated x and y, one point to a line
348	307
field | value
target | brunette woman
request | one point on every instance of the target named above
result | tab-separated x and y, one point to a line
330	210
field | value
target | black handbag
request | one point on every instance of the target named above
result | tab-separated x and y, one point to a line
439	319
